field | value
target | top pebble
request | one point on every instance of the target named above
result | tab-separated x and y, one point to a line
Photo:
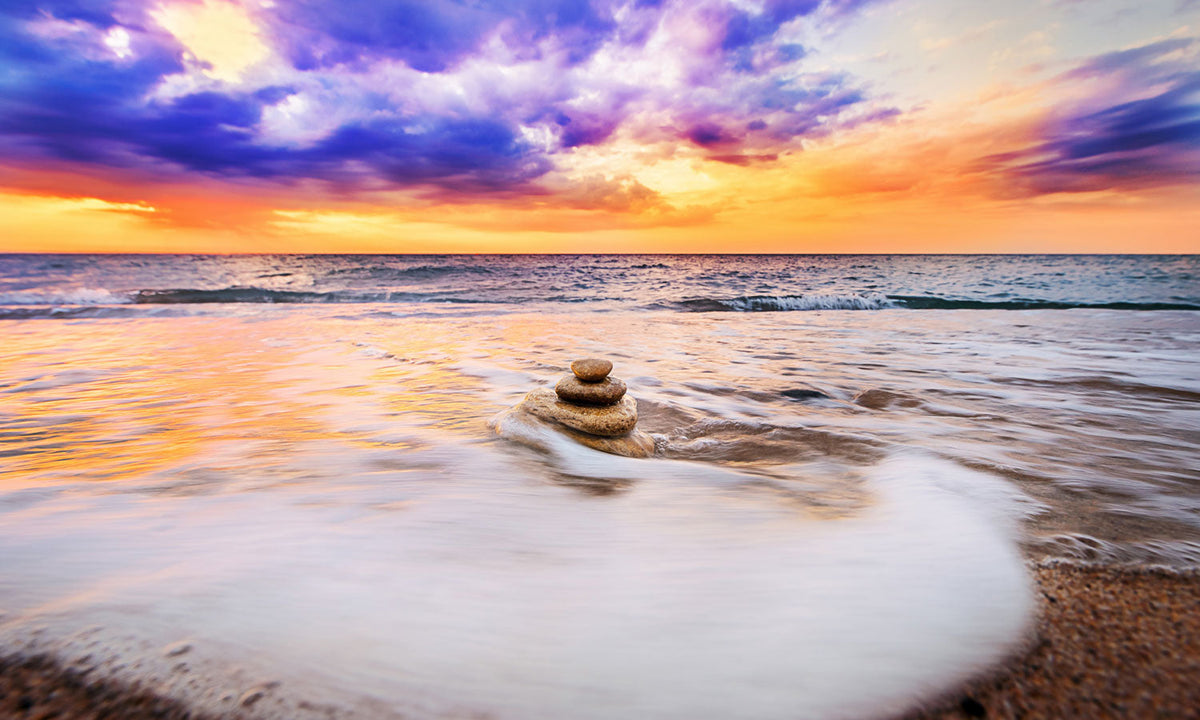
591	369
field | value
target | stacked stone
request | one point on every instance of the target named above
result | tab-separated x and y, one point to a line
594	407
605	409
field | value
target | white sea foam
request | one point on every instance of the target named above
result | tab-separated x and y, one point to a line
1077	546
678	598
872	301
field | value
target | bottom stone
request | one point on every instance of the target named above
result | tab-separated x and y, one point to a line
636	444
515	424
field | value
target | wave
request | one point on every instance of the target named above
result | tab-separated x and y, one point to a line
54	302
73	296
784	303
416	272
931	302
1158	554
29	312
186	296
440	270
879	301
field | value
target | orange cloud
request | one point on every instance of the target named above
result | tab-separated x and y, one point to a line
928	182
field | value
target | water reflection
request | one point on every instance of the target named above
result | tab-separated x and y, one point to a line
307	395
232	480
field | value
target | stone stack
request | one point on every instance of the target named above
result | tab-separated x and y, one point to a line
593	408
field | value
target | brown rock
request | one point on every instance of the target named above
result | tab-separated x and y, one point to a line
606	392
591	369
510	423
877	399
635	444
608	421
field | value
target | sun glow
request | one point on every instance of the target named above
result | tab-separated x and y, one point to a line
218	34
319	125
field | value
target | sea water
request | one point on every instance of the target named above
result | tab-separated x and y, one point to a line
268	483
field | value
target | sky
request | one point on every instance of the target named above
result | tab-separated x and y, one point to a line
791	126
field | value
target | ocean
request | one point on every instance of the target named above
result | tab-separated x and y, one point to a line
269	483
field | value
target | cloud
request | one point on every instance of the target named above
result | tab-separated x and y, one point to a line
431	35
1139	128
458	96
100	13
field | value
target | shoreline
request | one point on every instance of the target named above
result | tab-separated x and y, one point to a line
1111	642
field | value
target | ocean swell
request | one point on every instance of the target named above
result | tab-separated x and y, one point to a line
929	302
187	296
880	301
65	296
783	303
249	294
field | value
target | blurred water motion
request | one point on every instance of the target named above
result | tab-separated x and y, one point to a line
834	522
305	394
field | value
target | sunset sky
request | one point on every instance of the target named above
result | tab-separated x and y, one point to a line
601	126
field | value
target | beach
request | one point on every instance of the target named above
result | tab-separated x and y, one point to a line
275	487
1110	643
599	359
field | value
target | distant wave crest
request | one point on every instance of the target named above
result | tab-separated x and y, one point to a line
77	296
38	302
932	302
183	296
415	272
879	301
784	303
229	295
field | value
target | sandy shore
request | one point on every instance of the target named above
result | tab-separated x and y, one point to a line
1112	643
38	688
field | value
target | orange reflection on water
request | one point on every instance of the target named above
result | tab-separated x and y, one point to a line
192	405
146	400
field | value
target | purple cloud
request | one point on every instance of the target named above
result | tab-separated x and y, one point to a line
584	129
1123	138
466	96
96	12
430	35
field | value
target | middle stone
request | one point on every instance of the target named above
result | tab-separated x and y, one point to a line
610	421
606	392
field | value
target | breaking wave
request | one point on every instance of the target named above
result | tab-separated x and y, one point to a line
262	295
879	301
777	303
28	303
928	302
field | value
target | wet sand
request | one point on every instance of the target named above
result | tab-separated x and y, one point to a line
1111	643
39	688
